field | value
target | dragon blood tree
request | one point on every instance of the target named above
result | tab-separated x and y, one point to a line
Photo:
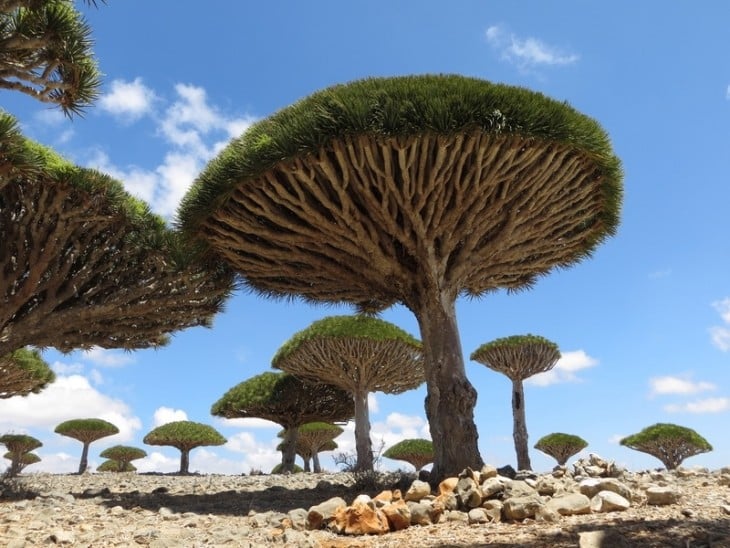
185	436
519	357
561	446
18	446
19	462
359	354
417	452
122	455
86	431
23	372
289	402
111	465
313	438
45	52
85	264
670	443
412	190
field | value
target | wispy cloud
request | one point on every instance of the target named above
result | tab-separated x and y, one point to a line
193	129
675	385
720	334
565	370
527	53
657	274
709	405
107	358
128	101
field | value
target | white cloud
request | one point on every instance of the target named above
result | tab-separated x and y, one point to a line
194	129
67	368
565	370
128	100
255	455
727	93
723	307
69	397
709	405
96	377
373	403
107	358
720	335
526	52
676	385
616	439
163	415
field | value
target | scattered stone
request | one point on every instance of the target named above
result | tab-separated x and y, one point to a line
322	514
608	501
519	508
603	539
361	518
662	495
417	491
468	493
478	515
398	515
570	504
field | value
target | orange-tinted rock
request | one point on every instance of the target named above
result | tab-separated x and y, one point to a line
398	515
448	485
361	519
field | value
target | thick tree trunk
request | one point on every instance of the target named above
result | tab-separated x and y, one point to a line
451	398
289	449
14	466
184	461
315	463
519	432
84	457
307	467
363	445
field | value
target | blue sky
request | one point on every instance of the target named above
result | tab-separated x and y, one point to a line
644	325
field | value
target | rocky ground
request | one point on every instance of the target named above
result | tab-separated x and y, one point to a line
103	510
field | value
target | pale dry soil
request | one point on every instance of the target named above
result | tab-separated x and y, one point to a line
103	510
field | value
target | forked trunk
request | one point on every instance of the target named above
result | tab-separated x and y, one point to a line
289	449
185	461
363	445
450	398
519	432
84	457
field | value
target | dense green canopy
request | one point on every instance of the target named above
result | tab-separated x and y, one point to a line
285	400
23	372
122	455
86	430
670	443
561	446
418	452
45	52
518	356
111	465
185	436
87	264
400	107
20	443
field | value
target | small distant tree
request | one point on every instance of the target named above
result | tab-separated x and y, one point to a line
418	452
313	438
670	443
519	357
561	446
288	401
359	354
46	53
86	431
26	459
279	469
18	445
185	436
123	455
111	465
23	372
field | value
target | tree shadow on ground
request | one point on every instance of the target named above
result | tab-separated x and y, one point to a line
634	533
